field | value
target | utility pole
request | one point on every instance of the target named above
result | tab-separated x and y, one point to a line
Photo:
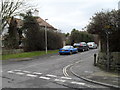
46	36
108	54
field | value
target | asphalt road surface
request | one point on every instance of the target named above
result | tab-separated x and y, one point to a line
48	71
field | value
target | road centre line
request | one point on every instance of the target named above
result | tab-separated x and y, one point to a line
30	75
47	78
65	70
51	75
37	73
10	71
78	61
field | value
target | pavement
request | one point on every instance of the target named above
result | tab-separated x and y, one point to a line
87	71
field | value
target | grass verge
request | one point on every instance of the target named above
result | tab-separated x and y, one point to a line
27	54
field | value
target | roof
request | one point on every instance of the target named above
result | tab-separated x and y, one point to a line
43	23
39	20
19	22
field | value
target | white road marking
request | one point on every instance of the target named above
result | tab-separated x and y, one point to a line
66	78
78	61
30	75
44	78
37	73
20	73
65	70
49	75
10	71
17	70
79	83
26	71
60	80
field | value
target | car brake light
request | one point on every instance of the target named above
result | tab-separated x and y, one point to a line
90	45
81	45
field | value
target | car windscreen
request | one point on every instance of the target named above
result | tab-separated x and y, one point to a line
66	47
90	43
76	44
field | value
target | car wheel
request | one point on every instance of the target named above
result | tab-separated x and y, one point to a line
88	49
70	52
77	51
60	53
83	50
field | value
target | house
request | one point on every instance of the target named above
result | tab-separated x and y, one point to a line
43	23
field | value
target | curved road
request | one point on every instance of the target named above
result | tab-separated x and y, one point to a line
49	71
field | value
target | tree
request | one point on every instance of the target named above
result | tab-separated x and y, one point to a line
106	22
12	38
80	36
35	36
31	30
9	9
67	34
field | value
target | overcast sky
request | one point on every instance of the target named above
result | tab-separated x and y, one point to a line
68	14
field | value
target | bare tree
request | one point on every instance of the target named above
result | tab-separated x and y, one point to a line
9	8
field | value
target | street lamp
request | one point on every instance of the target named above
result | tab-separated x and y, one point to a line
46	36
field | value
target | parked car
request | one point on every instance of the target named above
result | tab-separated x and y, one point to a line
68	50
82	46
92	45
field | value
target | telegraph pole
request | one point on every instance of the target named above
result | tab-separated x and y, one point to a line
46	36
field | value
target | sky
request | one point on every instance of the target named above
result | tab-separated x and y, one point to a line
66	15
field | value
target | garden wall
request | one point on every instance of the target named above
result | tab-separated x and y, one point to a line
114	61
11	51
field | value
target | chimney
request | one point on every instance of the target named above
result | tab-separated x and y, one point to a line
36	12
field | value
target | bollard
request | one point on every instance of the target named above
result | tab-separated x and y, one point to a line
95	59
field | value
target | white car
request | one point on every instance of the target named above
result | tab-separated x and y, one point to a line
92	45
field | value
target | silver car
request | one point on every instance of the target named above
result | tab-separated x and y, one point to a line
92	45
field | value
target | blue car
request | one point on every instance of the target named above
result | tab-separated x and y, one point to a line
68	50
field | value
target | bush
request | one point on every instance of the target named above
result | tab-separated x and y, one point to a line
79	36
55	40
35	36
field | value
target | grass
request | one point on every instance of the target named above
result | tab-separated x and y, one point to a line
27	54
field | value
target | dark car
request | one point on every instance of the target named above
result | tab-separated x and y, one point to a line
82	46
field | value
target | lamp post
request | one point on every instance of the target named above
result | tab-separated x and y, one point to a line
46	36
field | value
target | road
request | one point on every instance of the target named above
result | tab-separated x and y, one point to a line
49	71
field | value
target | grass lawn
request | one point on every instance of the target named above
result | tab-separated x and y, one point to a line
27	54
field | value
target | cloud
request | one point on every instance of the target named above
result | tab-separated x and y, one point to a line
69	14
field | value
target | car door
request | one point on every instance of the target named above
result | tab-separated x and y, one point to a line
72	49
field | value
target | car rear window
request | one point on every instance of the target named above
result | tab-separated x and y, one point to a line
66	47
